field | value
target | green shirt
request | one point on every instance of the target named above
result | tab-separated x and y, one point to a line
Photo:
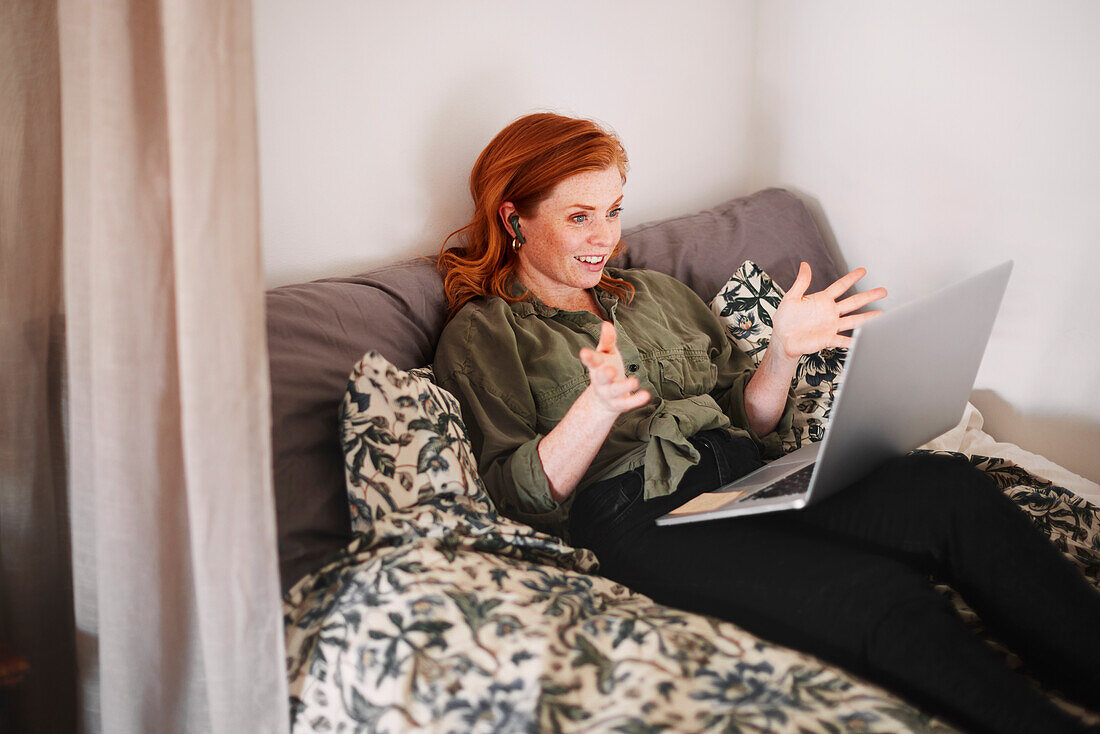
515	371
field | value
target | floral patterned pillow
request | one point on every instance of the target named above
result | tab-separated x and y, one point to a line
403	440
746	305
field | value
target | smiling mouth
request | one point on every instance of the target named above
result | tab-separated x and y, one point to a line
590	259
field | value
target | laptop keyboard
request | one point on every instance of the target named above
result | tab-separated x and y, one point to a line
796	483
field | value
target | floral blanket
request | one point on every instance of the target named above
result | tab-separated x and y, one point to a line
442	615
447	617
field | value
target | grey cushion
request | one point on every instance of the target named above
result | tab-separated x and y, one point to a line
318	331
772	228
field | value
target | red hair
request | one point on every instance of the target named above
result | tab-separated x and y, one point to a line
522	164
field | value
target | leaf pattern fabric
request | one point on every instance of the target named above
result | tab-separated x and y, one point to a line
403	441
443	615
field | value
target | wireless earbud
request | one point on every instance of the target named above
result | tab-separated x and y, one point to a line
514	221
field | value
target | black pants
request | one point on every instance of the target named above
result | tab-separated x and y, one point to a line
847	580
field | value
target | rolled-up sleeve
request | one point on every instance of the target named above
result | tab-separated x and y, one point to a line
731	399
500	420
735	369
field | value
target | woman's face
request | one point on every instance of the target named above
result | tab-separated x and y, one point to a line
570	236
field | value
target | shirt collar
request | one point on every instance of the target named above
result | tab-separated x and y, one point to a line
531	305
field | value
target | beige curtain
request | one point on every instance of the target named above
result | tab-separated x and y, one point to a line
139	221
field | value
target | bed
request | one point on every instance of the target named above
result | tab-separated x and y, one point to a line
410	603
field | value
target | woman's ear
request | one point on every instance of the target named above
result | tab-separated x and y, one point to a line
507	211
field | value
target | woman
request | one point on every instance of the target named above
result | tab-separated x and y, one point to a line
597	400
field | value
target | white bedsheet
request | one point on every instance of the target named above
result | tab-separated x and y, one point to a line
969	438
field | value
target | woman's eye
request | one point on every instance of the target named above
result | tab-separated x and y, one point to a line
579	218
614	213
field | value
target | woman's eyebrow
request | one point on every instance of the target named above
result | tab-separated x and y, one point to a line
592	208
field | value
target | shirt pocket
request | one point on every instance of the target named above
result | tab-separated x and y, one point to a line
553	402
686	373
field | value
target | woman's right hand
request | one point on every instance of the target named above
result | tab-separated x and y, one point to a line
568	449
612	389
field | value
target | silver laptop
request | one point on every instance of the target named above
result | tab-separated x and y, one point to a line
908	376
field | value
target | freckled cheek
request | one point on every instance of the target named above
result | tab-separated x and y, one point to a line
566	245
557	241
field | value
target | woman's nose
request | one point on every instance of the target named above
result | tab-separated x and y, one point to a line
605	233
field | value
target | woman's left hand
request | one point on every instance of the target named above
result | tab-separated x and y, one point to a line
804	324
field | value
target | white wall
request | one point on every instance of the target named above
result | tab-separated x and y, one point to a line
939	138
936	138
371	114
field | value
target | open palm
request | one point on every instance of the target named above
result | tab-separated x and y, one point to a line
804	324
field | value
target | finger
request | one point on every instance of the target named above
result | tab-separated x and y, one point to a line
840	287
597	373
625	402
630	402
801	281
620	388
842	341
859	300
591	358
856	320
608	338
602	375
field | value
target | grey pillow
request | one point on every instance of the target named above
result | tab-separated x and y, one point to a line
318	331
772	228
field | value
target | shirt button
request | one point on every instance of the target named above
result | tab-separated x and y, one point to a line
633	368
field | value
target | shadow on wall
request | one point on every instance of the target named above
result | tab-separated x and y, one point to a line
1066	440
822	222
817	213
